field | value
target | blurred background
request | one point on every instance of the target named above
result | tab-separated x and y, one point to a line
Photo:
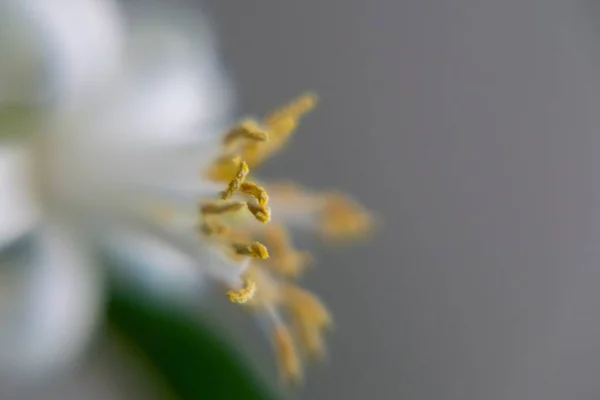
472	129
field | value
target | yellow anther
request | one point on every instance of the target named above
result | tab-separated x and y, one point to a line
342	218
282	121
309	316
218	208
310	337
279	124
254	250
293	198
256	191
285	259
289	362
236	182
302	302
261	213
224	168
247	129
292	263
278	238
244	294
213	228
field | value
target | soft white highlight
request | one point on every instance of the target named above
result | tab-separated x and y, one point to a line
127	131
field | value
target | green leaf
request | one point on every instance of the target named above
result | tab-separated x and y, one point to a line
192	360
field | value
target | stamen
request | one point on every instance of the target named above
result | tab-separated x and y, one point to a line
342	218
293	199
213	228
218	208
236	182
279	124
261	213
259	143
310	317
256	191
224	168
310	337
254	250
289	362
244	294
285	258
247	129
337	217
308	304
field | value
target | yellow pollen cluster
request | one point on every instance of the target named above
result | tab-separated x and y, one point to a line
244	294
279	125
256	191
309	317
236	182
338	217
219	208
254	142
267	287
254	250
289	362
285	259
342	218
247	129
213	226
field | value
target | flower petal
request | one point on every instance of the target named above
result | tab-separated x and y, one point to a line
51	306
18	213
68	47
180	261
156	267
173	83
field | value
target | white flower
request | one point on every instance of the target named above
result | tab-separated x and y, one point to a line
56	50
136	168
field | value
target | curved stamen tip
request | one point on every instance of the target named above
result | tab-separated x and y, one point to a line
289	361
244	294
337	217
248	129
236	182
256	191
254	250
261	213
217	208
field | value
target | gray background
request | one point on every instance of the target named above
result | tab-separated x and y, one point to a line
473	127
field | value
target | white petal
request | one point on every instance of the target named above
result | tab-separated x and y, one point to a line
51	306
156	267
18	213
174	86
68	47
181	260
